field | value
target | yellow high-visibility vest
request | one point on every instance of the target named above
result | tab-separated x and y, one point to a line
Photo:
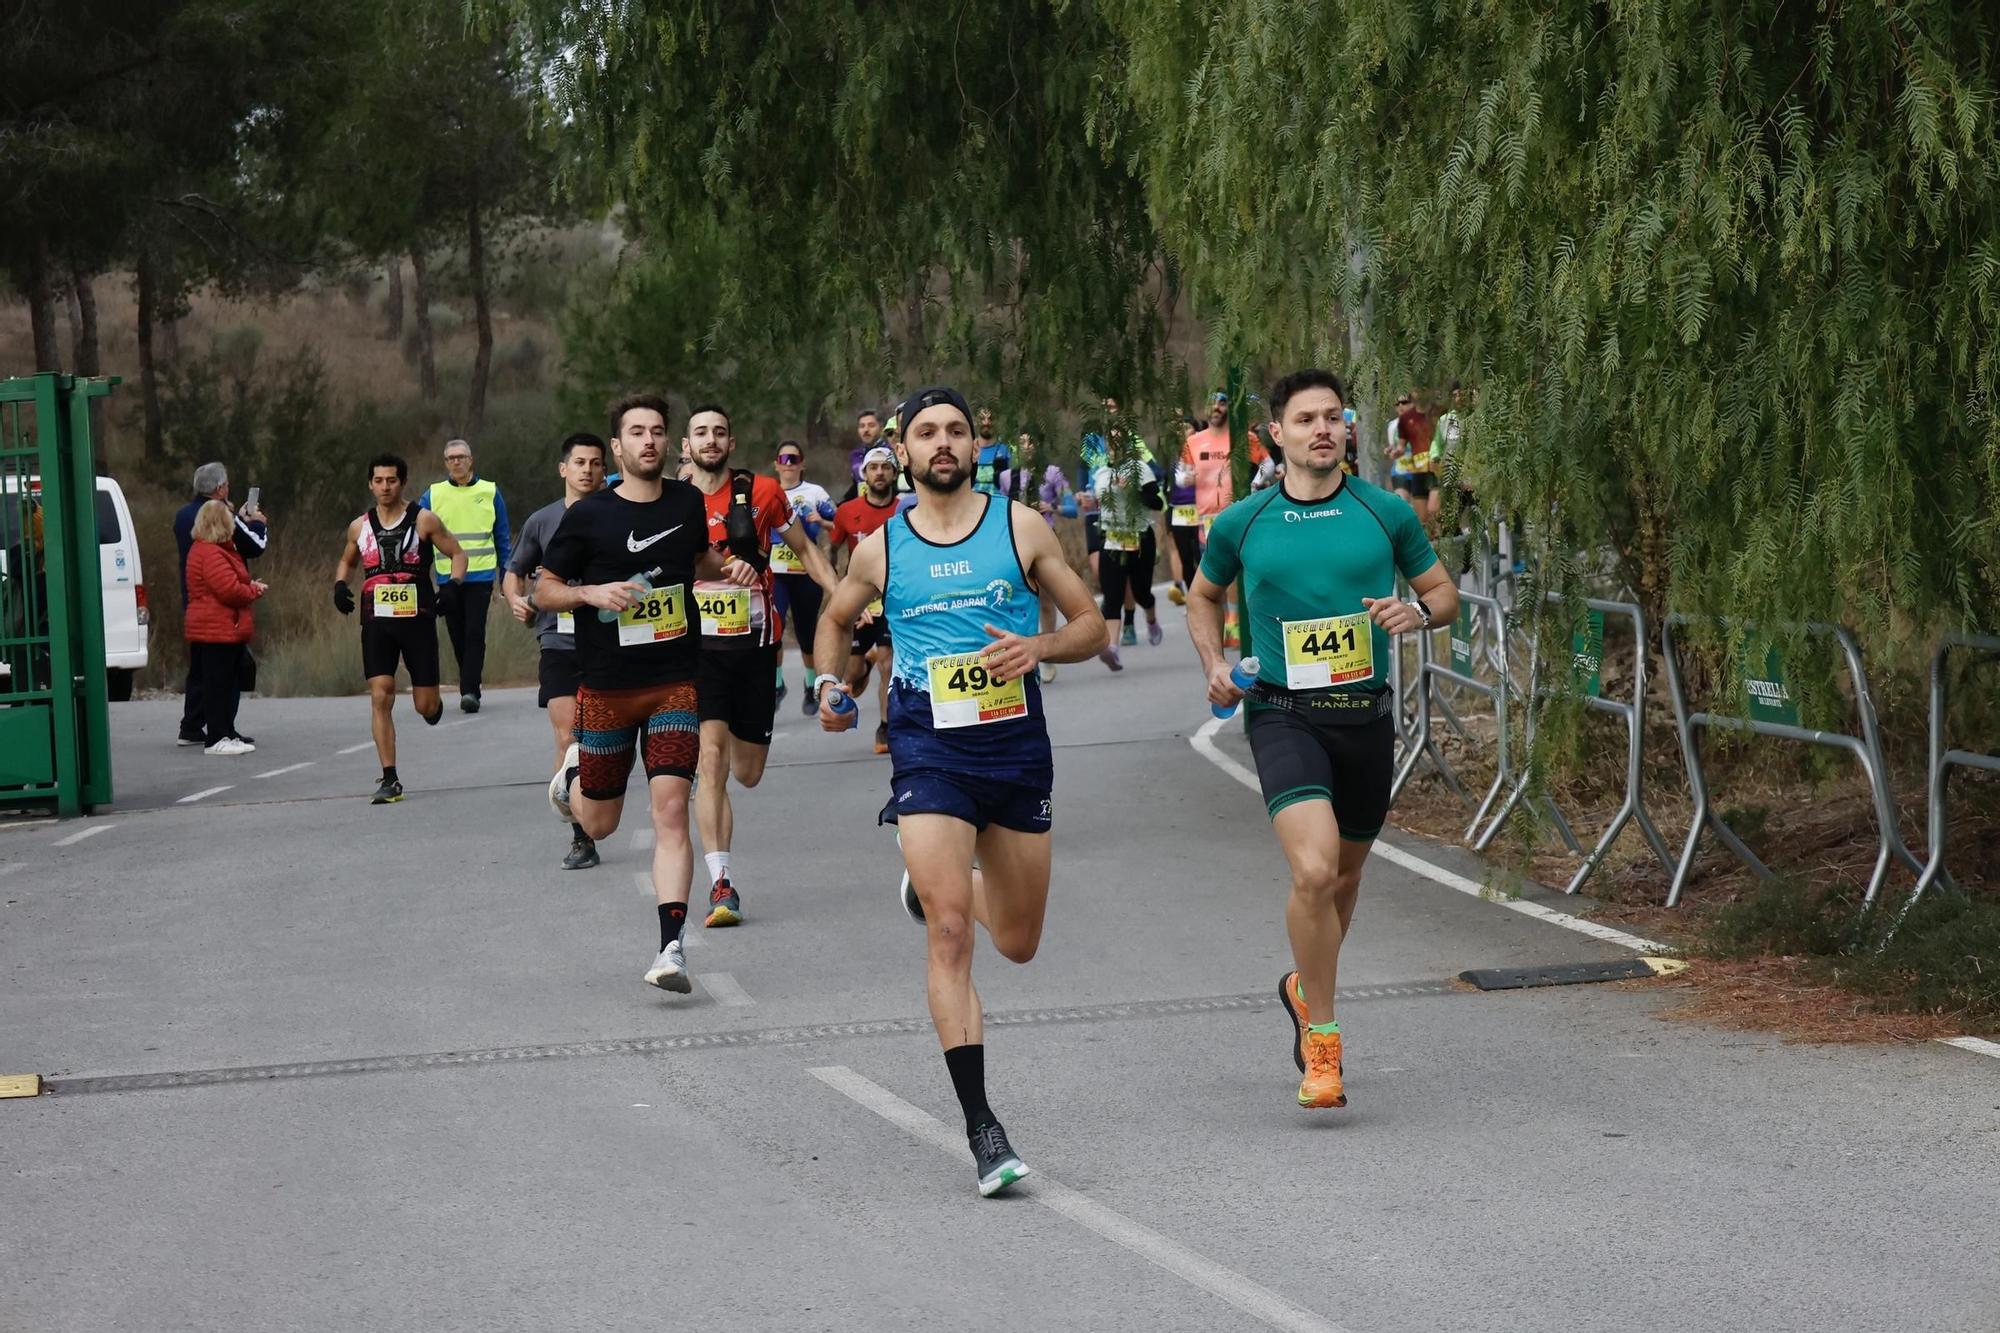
467	514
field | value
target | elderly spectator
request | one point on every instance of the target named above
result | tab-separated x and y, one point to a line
219	623
476	514
250	535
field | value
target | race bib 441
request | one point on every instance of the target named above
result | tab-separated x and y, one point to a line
394	601
655	618
965	694
1332	650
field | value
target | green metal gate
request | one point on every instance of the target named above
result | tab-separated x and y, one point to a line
55	726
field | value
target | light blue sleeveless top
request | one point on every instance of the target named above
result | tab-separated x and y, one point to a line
939	599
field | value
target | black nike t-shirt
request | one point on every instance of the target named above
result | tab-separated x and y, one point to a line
605	538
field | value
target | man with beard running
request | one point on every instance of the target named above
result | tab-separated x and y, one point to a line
856	519
741	638
581	467
624	562
961	576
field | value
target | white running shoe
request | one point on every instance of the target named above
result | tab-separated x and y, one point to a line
670	970
1047	671
911	903
231	745
559	785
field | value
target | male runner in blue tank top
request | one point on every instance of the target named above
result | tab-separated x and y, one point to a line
961	576
1318	556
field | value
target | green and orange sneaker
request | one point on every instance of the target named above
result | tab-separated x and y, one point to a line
1293	997
1322	1086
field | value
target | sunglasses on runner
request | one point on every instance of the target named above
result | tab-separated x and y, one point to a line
791	458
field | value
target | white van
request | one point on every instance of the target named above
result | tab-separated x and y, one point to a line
127	620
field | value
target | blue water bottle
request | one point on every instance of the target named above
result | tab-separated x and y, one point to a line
645	586
843	702
1243	675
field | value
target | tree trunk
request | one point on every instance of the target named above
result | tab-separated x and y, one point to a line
420	292
87	353
395	302
482	319
42	308
149	378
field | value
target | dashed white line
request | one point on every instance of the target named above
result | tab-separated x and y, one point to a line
11	867
459	722
205	793
81	834
288	768
642	838
727	991
1977	1045
1259	1302
1203	741
357	749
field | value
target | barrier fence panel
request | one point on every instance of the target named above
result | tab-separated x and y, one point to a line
1776	716
1632	711
1423	745
1943	760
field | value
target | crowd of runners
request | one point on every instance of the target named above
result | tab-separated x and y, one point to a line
660	601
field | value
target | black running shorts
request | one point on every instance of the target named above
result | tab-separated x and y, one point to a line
413	642
1350	766
560	675
740	686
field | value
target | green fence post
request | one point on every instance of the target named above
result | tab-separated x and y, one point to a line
92	689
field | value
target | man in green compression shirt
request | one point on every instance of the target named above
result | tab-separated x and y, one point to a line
1318	556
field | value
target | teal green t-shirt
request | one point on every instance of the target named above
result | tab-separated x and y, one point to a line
1305	568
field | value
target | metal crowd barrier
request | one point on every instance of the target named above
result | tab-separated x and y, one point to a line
1943	760
1633	711
1866	748
1421	744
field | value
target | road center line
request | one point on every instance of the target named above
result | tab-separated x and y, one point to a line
1203	741
279	772
357	749
81	834
728	992
205	793
642	838
1259	1302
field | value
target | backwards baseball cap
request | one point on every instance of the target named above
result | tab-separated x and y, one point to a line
935	396
879	454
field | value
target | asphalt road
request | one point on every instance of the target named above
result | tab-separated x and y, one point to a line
320	1065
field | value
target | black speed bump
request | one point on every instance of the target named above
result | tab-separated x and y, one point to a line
1571	974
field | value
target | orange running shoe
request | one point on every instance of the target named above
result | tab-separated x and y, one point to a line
1322	1086
1295	1005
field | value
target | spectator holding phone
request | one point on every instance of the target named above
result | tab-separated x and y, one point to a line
219	623
249	534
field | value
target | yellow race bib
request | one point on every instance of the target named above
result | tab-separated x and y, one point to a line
964	693
395	601
874	608
1185	516
657	617
784	560
725	612
1115	540
566	622
1334	650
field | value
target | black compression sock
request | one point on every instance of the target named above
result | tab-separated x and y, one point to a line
431	719
576	831
389	773
1128	617
672	917
968	1079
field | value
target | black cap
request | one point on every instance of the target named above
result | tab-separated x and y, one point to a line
935	396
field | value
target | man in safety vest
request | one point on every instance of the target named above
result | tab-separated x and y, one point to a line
474	513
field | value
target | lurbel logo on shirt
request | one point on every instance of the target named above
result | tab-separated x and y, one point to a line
1294	516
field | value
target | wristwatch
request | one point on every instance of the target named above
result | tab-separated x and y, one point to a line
1423	611
824	679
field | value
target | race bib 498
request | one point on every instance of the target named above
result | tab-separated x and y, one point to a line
964	693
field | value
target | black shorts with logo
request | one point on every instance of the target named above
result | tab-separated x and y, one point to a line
561	673
739	686
1351	766
413	641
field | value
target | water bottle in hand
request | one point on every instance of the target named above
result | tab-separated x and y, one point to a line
645	586
843	702
1243	675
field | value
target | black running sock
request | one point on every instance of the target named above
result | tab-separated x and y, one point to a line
431	719
576	832
672	917
1128	618
968	1079
388	773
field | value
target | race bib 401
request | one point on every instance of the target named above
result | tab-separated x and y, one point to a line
725	612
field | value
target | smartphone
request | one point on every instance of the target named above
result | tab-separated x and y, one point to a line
250	502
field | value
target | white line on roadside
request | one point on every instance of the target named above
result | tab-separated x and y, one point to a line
642	880
1203	741
80	835
1977	1045
1257	1301
456	723
205	793
726	990
357	749
11	867
288	768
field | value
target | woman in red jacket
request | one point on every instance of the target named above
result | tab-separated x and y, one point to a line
219	623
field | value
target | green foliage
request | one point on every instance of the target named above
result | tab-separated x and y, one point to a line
269	417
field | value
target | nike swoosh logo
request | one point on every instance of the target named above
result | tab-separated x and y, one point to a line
634	545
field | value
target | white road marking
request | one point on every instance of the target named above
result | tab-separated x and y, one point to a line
642	838
1977	1045
288	768
1259	1302
11	867
642	880
81	834
727	991
357	749
1203	741
204	794
457	723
